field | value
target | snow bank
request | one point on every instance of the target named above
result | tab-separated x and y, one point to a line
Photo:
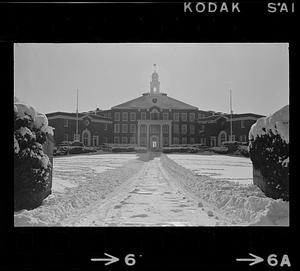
40	120
241	204
278	123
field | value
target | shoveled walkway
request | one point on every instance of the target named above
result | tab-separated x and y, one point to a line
151	198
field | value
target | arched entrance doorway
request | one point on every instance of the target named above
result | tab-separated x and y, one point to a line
86	137
154	143
222	137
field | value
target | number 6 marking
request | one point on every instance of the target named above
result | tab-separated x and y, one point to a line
130	260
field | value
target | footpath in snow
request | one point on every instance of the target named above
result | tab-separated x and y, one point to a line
150	198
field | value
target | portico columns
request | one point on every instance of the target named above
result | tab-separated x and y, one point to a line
161	136
147	132
138	135
170	134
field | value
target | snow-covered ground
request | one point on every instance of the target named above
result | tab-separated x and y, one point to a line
84	183
71	171
220	167
242	204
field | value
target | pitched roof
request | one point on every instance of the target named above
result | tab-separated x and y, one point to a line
80	115
160	100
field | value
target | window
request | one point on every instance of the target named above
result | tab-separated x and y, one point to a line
242	123
243	138
143	128
192	140
192	116
176	128
124	129
155	129
116	140
105	126
175	140
132	140
117	116
124	140
109	115
165	129
76	137
184	129
105	140
66	123
200	115
232	138
95	140
165	141
165	116
203	140
176	116
184	116
143	141
143	115
117	128
132	116
184	140
154	115
85	139
192	129
213	141
125	116
132	128
66	137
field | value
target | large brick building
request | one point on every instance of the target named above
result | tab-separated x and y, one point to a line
153	120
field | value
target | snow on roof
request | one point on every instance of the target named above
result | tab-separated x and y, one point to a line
278	123
160	100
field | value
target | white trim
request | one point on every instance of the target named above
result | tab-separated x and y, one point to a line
81	118
234	119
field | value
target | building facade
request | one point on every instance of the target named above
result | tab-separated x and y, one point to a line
153	120
93	129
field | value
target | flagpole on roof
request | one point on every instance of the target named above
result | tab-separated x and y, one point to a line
230	115
77	117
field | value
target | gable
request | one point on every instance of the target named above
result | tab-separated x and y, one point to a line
147	101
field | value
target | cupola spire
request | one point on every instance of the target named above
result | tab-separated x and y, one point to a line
154	83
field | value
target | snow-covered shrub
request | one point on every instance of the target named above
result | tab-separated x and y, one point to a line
32	166
220	150
181	149
269	151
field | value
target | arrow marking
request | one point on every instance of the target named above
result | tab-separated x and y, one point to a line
110	260
254	260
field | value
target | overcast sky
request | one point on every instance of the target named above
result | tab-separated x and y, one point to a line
47	75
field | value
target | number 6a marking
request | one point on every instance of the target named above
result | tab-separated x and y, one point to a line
130	260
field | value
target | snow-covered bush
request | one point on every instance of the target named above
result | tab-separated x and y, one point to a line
180	149
32	166
269	151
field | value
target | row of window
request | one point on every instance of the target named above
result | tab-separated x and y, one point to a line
124	140
183	129
66	124
118	128
123	128
153	116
